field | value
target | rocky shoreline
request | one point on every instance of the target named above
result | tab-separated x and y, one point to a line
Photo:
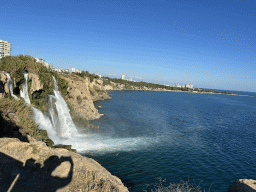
27	163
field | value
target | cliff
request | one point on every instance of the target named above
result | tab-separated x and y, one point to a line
81	94
35	167
4	90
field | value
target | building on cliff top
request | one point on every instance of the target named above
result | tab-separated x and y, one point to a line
74	70
42	61
5	48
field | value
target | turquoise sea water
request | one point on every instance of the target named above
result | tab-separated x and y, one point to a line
145	135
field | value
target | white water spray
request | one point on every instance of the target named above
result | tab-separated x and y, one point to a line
10	85
24	93
65	124
40	119
62	130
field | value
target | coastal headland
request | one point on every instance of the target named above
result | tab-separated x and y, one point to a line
28	154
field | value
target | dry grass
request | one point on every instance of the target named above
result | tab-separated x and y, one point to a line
23	118
183	186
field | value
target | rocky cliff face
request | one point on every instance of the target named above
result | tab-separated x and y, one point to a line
35	167
80	97
4	89
36	85
81	93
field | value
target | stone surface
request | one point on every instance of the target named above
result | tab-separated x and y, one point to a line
4	89
40	168
36	85
79	95
243	185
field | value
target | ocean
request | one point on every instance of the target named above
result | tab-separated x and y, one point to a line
209	140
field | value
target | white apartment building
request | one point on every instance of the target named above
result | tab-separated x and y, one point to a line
42	61
123	76
189	86
177	85
74	70
57	70
48	65
5	48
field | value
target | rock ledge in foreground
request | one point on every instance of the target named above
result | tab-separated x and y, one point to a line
243	185
35	167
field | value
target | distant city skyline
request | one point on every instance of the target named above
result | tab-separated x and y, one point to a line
210	44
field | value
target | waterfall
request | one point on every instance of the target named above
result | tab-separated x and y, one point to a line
61	129
11	87
24	93
43	121
61	125
65	125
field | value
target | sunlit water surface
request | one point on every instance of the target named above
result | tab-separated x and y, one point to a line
147	135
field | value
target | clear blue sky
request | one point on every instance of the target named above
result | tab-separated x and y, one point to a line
208	43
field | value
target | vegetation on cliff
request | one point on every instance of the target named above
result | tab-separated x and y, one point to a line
23	122
16	121
16	66
130	85
87	74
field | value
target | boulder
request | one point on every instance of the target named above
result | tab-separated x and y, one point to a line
243	185
35	167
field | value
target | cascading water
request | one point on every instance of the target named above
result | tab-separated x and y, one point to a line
65	124
24	93
41	120
11	87
61	129
61	125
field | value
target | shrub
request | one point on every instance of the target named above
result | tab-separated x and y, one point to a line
177	187
24	113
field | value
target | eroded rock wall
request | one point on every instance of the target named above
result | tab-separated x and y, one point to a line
79	96
4	89
36	84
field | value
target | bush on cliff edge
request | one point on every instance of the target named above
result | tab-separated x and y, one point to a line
21	118
17	65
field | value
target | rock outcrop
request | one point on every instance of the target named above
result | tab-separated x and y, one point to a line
243	185
97	90
79	96
4	89
36	85
35	167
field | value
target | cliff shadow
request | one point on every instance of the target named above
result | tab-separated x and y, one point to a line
32	177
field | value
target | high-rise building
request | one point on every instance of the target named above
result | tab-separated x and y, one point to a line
5	48
123	76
